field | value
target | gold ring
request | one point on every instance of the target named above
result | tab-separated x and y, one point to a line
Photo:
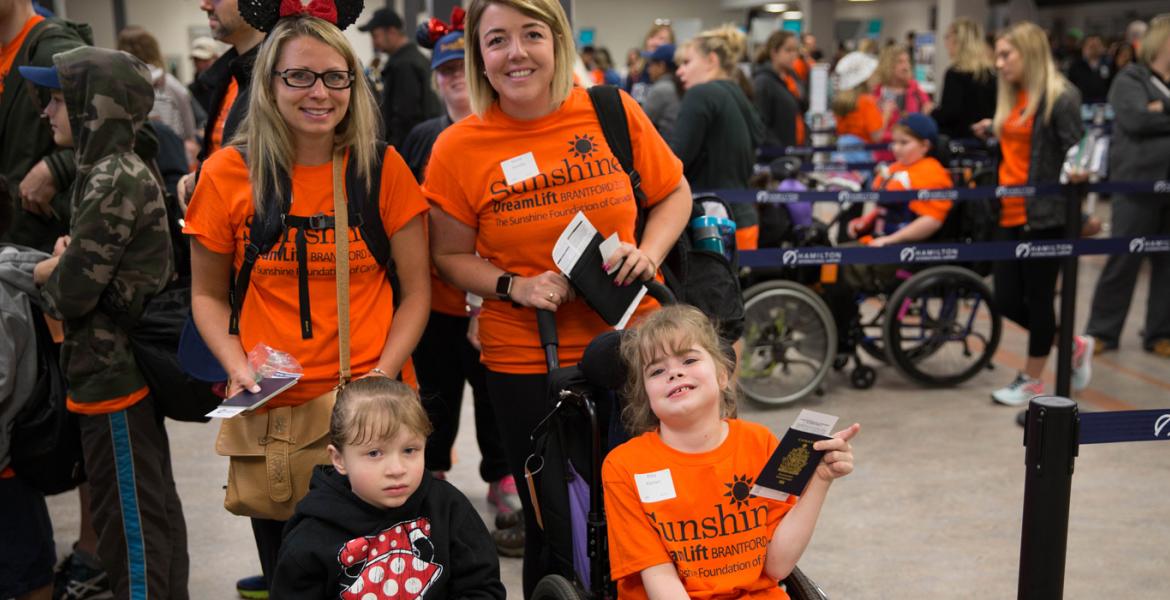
552	295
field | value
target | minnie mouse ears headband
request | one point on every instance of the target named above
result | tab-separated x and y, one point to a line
264	14
432	31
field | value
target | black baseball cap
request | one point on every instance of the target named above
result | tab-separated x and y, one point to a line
383	17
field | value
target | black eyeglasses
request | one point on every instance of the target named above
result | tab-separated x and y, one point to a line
304	78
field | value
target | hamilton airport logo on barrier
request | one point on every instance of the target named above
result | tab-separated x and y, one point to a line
1007	190
914	254
1141	245
863	197
798	258
1160	424
938	194
777	197
1044	250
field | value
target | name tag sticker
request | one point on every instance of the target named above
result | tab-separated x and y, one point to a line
655	487
519	168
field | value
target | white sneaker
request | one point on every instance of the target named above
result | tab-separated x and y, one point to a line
1082	361
1018	392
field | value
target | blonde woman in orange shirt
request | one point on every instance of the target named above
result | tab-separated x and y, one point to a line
1037	119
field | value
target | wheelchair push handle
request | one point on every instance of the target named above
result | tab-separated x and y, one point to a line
660	292
546	322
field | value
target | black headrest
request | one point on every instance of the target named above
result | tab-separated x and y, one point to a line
785	167
602	362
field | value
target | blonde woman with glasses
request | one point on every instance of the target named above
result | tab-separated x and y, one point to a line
310	105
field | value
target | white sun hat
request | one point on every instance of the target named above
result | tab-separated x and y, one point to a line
854	69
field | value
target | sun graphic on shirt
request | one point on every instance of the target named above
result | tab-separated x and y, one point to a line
739	490
582	146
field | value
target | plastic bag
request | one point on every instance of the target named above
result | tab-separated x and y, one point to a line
269	362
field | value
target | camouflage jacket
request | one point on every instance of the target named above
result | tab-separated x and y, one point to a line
120	253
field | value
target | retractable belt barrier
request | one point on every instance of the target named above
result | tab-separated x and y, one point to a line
1161	188
1053	433
771	152
954	252
948	252
1125	426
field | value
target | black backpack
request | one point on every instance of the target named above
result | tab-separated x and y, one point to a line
273	227
46	436
154	339
706	280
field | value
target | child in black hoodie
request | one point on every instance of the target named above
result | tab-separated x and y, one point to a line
375	525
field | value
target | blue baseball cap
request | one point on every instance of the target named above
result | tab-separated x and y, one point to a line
447	49
43	76
664	53
922	126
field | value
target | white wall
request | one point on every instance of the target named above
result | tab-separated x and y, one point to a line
621	24
899	17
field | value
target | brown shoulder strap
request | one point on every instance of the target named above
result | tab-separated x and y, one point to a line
341	231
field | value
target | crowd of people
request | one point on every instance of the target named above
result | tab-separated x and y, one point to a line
391	227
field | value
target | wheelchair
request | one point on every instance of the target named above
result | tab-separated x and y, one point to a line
937	326
569	446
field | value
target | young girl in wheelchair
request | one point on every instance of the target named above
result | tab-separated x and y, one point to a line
681	518
914	138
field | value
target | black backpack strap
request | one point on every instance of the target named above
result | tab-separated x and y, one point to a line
263	233
607	103
367	204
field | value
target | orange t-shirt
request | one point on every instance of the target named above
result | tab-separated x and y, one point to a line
801	67
9	51
709	526
926	174
446	298
1015	141
864	121
794	89
517	225
219	217
229	98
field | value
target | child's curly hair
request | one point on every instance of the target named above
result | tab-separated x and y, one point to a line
375	408
669	331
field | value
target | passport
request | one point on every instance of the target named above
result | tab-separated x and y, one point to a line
794	461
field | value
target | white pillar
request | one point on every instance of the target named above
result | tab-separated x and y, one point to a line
819	19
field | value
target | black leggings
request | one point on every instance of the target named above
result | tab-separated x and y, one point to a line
1025	290
519	402
443	360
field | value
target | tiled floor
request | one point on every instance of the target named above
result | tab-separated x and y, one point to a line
933	510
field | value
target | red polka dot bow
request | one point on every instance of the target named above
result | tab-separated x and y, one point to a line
395	564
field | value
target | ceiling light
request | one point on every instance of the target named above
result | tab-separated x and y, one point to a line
792	15
775	7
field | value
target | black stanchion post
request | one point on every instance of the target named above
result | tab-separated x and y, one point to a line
1050	439
1068	293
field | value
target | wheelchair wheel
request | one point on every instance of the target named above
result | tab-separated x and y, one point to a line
941	326
800	587
556	587
790	342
